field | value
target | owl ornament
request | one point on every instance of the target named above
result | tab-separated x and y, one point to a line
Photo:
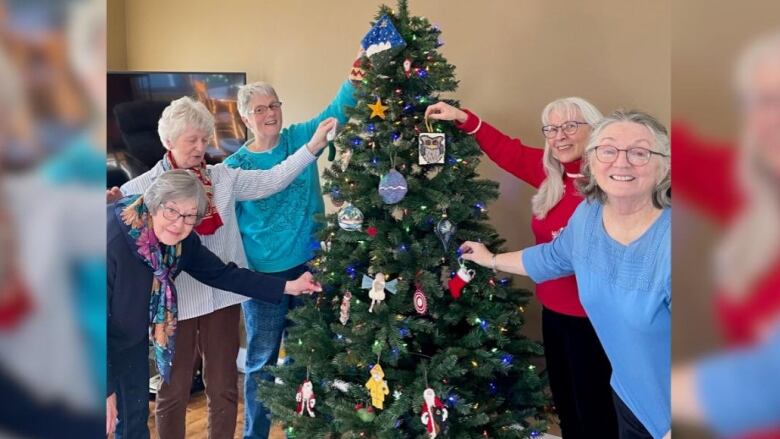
377	287
431	146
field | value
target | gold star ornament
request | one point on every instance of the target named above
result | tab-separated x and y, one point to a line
377	109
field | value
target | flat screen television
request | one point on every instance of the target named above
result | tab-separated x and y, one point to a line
152	91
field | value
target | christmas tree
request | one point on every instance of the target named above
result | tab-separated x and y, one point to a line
400	344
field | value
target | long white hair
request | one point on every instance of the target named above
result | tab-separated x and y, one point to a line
752	244
551	190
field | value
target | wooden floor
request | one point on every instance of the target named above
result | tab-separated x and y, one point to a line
197	417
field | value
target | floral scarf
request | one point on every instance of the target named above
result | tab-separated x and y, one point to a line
211	220
163	260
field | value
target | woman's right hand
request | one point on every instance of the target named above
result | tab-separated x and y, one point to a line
320	138
111	414
113	195
445	111
305	284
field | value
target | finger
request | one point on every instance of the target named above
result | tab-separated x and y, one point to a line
468	256
467	247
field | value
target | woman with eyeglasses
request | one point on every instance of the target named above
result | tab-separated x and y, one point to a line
149	245
277	231
618	245
577	367
209	317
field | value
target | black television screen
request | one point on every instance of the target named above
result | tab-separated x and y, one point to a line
150	92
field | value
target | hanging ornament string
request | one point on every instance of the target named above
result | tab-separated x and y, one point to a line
425	374
428	125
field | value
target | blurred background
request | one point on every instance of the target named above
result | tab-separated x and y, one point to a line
725	65
52	244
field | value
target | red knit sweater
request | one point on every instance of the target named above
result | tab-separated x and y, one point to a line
525	163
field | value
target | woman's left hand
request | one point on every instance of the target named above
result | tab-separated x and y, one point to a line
305	284
476	252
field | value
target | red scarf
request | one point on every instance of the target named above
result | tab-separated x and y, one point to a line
211	220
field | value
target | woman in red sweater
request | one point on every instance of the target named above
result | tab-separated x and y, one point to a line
577	367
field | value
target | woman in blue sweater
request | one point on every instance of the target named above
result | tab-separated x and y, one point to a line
618	244
149	244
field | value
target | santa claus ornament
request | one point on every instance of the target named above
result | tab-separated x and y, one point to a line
460	280
377	287
433	414
344	310
305	399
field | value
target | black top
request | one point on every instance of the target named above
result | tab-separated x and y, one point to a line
130	285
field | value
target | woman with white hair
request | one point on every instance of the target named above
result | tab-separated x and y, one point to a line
208	316
618	245
577	367
277	231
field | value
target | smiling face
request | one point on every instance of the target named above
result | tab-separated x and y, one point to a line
568	147
621	180
171	232
189	148
267	124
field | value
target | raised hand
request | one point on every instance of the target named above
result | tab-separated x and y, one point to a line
445	111
320	138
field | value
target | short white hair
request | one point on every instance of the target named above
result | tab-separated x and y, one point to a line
247	92
179	115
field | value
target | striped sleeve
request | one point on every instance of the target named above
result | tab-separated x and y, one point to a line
254	184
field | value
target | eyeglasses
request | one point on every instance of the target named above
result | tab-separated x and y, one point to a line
636	155
172	214
568	127
260	109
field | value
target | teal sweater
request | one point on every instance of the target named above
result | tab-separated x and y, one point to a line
278	231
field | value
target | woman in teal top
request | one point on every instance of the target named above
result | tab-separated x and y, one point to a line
277	231
618	244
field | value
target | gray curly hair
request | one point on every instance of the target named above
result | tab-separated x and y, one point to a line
176	184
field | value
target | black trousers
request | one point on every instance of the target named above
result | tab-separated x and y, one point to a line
132	393
628	425
579	374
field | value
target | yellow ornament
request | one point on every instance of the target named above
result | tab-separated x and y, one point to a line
377	386
377	109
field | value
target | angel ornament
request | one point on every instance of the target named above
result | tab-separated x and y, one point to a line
305	399
377	287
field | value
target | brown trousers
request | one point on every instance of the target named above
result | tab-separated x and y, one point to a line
215	337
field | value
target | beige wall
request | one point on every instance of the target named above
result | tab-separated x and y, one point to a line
117	39
512	57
